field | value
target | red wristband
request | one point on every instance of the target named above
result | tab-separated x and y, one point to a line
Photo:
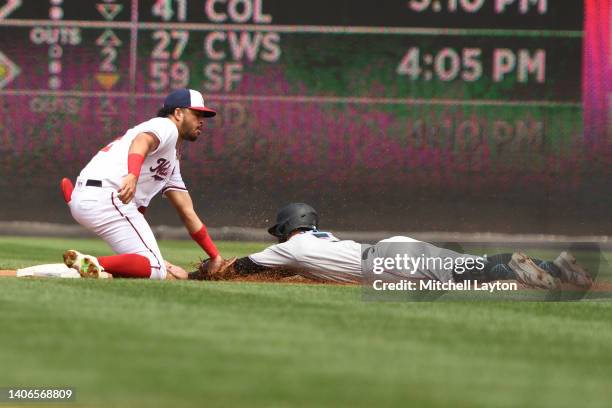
135	161
204	241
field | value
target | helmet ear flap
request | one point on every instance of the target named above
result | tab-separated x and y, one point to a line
282	230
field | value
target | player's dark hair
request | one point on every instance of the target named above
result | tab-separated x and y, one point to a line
163	112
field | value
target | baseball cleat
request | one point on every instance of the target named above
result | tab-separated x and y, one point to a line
87	265
571	271
530	274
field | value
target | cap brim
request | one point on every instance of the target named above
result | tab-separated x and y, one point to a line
272	231
209	113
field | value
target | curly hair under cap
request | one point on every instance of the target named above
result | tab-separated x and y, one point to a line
165	111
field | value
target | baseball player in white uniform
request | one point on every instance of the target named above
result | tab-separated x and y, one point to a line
304	250
115	187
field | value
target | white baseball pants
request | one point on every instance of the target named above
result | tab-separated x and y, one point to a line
122	226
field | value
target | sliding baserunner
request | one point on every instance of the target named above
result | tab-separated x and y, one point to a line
305	250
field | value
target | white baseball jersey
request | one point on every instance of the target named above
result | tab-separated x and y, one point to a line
160	170
316	253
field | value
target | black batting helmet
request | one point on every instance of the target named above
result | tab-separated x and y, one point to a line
294	216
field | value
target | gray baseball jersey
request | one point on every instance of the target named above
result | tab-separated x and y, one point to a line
315	254
323	256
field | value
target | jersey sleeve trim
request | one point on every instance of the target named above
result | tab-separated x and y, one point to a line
173	188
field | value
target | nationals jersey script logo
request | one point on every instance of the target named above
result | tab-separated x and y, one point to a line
161	171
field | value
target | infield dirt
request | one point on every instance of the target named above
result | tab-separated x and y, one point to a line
272	278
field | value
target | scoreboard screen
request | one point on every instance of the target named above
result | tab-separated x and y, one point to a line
327	101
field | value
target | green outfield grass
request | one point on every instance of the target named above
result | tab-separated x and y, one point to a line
167	344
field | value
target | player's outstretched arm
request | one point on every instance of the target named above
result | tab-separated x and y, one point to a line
140	147
182	202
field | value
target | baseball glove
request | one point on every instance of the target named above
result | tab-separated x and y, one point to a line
226	270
